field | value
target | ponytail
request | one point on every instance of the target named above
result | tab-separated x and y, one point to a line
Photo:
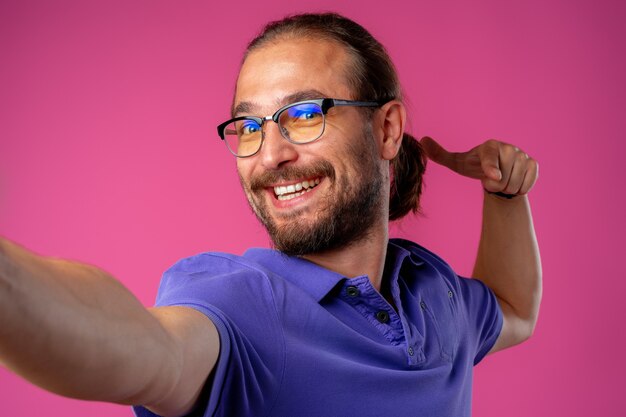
406	182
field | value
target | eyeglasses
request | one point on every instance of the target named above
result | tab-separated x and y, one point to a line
301	122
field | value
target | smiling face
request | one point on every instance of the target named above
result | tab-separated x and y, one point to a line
325	194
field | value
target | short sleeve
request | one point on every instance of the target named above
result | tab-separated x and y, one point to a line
484	316
239	301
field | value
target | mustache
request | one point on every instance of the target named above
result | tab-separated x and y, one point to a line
317	169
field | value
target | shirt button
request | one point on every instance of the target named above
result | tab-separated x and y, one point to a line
450	294
353	291
411	352
382	316
423	305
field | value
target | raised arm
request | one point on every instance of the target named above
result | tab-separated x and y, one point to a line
508	255
74	330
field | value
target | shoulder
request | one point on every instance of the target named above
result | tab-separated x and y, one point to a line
418	250
211	267
422	257
218	279
432	271
211	261
437	266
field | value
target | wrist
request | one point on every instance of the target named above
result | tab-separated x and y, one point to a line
500	194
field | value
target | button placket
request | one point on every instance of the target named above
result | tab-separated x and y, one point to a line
414	338
362	296
353	291
382	316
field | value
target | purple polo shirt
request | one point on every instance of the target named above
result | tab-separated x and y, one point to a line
299	340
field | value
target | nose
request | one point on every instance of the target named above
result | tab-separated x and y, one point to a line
276	150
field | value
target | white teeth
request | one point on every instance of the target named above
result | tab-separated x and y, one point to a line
295	190
290	196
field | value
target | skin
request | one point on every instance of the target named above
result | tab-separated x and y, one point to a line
74	330
510	267
276	71
98	341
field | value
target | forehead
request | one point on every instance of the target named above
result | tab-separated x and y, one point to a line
281	69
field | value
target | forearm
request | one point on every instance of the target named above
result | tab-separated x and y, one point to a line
74	330
508	259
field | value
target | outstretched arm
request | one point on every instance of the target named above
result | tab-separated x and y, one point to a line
508	255
74	330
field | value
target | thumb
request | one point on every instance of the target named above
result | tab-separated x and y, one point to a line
490	161
437	153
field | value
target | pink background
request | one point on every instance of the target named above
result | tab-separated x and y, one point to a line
108	154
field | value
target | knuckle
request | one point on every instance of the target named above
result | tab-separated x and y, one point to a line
493	186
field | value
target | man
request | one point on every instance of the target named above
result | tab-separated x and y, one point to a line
339	320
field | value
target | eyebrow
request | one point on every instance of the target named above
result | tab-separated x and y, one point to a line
247	107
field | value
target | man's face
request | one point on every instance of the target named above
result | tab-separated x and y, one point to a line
333	185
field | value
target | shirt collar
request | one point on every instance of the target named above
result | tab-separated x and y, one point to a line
398	250
319	281
312	278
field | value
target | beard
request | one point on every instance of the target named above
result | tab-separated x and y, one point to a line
343	217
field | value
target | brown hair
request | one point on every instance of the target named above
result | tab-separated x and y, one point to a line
373	77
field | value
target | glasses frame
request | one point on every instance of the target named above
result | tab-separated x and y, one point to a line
324	103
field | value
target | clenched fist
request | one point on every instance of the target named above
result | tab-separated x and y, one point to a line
501	167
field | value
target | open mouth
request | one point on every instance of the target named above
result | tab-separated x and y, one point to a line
287	192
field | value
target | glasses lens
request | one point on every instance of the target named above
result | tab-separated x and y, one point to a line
243	137
302	123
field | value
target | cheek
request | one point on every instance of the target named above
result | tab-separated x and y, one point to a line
243	171
337	128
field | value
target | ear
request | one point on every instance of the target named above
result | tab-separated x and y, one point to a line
390	128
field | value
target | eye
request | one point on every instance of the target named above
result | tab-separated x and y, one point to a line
249	127
305	112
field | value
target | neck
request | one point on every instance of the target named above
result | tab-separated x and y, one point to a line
365	257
